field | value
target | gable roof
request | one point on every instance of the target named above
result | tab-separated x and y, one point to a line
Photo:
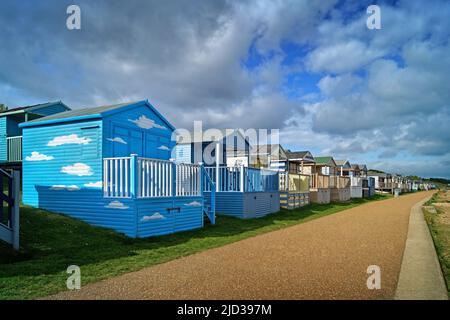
92	113
362	167
325	161
355	167
300	155
378	174
269	149
31	108
343	163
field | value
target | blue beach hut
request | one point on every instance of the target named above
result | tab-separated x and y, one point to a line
110	166
240	190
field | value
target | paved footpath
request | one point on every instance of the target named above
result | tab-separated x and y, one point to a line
326	258
420	275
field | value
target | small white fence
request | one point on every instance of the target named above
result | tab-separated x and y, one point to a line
154	178
188	179
116	177
243	179
125	177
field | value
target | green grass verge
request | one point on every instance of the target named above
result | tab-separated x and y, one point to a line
440	233
51	242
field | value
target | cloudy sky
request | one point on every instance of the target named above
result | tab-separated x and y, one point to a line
310	68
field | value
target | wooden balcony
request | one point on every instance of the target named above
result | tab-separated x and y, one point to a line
319	181
339	182
293	182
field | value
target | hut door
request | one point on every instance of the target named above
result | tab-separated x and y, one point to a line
127	141
136	142
121	141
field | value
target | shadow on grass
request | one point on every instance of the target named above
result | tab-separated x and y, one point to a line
51	242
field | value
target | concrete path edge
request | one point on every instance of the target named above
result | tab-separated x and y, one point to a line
420	274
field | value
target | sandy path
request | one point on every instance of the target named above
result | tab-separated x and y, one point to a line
325	258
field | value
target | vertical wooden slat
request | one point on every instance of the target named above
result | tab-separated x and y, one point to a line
127	163
144	178
139	177
110	178
152	181
105	178
163	184
121	178
168	181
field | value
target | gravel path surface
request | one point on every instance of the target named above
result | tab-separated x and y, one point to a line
325	258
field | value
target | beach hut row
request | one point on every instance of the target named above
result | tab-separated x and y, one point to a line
305	178
396	184
119	167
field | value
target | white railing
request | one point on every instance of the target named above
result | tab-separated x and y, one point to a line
126	177
14	148
243	179
116	177
188	179
154	178
229	178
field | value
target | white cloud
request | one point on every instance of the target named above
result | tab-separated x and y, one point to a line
117	139
339	85
342	57
146	123
155	216
78	169
70	139
116	205
36	156
98	184
64	187
163	147
193	204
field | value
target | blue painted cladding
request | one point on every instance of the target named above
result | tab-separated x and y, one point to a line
90	206
61	164
247	204
3	150
158	216
61	156
189	216
138	130
259	204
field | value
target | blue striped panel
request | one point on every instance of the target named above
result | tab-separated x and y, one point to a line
50	172
91	207
154	218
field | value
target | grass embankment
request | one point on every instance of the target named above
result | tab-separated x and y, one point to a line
51	242
439	224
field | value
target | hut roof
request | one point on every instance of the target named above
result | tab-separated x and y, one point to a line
31	108
325	160
89	113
